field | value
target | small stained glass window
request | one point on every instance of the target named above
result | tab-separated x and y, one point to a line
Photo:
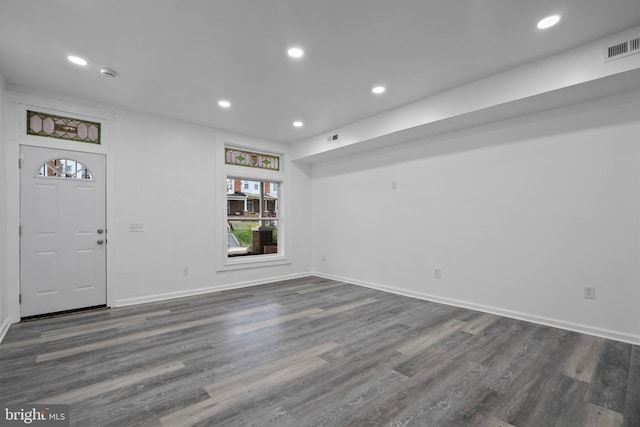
64	168
239	157
49	125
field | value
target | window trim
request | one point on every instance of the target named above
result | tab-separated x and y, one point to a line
225	171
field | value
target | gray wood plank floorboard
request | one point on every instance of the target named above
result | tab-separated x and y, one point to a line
316	352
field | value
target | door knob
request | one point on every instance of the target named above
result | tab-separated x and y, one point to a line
100	231
100	242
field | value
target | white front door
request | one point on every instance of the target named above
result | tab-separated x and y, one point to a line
63	235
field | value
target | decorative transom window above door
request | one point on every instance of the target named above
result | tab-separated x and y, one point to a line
52	126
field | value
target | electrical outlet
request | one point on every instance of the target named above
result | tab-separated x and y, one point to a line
185	271
437	273
590	292
324	258
394	185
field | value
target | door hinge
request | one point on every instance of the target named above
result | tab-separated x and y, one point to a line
20	299
19	231
19	163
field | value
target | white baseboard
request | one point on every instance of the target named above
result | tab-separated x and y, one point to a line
208	289
556	323
589	330
4	328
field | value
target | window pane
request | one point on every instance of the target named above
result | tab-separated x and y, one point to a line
252	236
270	200
64	168
252	217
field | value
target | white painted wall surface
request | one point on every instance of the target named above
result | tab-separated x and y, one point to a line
166	179
161	173
519	216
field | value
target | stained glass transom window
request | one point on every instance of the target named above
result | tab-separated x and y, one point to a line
49	125
64	168
238	157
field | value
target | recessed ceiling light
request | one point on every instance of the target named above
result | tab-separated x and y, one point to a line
378	90
224	103
295	52
298	124
548	22
77	60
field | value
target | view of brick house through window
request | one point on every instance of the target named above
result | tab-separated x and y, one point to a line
252	217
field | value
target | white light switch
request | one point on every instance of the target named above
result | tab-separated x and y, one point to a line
136	227
590	292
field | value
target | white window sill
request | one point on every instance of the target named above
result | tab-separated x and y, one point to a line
253	261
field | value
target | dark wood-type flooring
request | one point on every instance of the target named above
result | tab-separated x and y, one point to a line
315	352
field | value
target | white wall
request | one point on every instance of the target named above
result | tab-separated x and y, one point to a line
166	178
161	173
520	215
4	316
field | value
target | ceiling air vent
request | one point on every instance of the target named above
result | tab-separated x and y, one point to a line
623	49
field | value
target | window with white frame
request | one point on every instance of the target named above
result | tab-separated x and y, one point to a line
253	210
253	223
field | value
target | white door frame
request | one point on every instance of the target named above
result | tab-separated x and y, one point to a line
62	289
16	105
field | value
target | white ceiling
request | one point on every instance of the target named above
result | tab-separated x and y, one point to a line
177	58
